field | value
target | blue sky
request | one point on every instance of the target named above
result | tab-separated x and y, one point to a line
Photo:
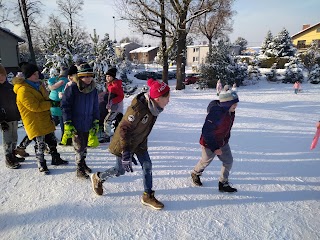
252	21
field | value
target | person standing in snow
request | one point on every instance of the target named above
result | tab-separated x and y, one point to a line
34	106
114	100
56	86
9	117
218	87
234	87
80	111
215	137
297	87
131	137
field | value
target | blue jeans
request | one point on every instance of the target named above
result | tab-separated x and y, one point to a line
118	170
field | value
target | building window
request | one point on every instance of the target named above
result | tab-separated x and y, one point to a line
301	44
195	49
318	29
195	59
316	41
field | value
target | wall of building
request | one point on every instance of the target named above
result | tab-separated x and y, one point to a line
8	50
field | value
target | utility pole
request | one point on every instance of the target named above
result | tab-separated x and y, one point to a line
114	29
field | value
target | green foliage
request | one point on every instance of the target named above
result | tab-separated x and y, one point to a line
268	62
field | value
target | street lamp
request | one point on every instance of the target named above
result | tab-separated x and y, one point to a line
114	28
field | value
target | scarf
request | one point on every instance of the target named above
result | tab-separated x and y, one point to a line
153	106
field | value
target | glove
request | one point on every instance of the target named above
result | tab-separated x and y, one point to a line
95	127
127	161
55	103
69	129
4	126
2	115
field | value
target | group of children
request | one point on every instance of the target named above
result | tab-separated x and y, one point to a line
80	113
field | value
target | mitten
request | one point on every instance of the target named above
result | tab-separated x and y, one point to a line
4	126
2	114
127	161
69	129
95	127
55	103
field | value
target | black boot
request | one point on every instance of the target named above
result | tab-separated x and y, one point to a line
225	187
86	168
11	162
43	167
80	172
17	159
56	160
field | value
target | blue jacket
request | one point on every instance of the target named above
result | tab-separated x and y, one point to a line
217	127
54	94
80	106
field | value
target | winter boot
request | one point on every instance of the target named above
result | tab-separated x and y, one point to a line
17	159
150	200
11	163
43	167
225	187
21	151
96	183
196	179
86	168
56	160
80	172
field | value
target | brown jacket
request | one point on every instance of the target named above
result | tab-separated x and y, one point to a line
133	130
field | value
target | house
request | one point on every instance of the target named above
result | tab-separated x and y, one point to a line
123	50
9	50
303	39
196	54
144	54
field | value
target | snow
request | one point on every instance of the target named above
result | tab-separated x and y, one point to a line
276	173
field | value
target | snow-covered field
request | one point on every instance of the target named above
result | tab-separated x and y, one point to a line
277	176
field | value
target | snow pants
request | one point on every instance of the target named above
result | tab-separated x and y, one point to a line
10	138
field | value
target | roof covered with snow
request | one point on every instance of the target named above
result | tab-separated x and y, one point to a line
143	49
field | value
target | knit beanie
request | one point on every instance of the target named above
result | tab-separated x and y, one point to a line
84	70
157	89
72	70
3	70
112	72
29	69
227	99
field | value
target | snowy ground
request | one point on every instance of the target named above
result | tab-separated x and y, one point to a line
275	172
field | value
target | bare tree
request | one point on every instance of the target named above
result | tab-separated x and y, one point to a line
215	23
70	10
5	14
29	10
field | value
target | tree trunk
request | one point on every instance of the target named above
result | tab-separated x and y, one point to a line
181	60
164	44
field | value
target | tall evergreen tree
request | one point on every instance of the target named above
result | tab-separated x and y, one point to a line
266	44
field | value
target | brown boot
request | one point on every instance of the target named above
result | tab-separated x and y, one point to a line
22	152
150	200
96	184
11	162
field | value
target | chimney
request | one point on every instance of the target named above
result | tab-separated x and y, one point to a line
305	26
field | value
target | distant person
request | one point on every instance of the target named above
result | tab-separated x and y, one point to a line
234	87
34	106
131	137
318	124
218	87
297	87
215	139
9	117
81	115
114	100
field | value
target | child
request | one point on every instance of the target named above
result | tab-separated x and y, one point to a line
215	137
131	137
297	87
81	114
9	117
114	100
34	106
218	87
234	87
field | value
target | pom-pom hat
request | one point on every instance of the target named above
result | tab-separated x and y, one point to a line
72	70
29	69
157	89
227	99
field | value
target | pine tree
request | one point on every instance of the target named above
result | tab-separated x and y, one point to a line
293	71
266	44
283	45
314	76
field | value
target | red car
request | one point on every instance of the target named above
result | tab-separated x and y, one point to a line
191	79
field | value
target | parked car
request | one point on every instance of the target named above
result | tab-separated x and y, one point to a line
191	79
145	75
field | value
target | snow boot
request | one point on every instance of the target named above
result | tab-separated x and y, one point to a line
56	160
149	199
196	179
80	172
11	163
21	151
86	168
96	183
225	187
43	167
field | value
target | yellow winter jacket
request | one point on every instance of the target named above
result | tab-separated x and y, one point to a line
34	107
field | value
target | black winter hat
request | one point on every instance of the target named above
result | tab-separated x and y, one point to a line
29	69
72	70
112	72
84	70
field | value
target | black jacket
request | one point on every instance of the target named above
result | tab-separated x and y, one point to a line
8	102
